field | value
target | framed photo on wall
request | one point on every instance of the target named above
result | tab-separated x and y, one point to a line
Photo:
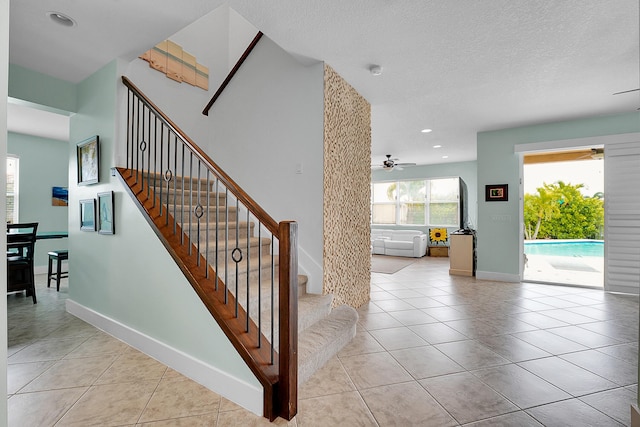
88	215
496	193
88	156
105	213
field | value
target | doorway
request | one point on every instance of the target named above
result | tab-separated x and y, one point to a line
564	217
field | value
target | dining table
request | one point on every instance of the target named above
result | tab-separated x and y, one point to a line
40	235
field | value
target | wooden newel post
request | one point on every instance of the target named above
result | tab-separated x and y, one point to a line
288	316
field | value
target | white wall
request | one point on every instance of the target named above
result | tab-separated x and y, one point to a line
266	123
208	39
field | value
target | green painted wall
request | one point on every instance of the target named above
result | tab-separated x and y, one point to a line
129	276
498	222
45	91
4	64
44	163
466	170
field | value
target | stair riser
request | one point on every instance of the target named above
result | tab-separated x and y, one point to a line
186	214
222	255
180	199
265	277
242	231
307	316
157	180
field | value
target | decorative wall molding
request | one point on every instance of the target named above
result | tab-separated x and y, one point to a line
169	58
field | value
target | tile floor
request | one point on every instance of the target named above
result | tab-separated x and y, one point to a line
431	350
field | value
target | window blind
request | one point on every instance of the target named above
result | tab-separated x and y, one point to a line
622	217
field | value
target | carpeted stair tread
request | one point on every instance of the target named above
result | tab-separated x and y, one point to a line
230	244
311	309
322	332
202	194
179	181
324	339
210	228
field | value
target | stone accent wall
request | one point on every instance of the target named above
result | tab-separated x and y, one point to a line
347	192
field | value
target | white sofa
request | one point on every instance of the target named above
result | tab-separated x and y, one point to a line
409	243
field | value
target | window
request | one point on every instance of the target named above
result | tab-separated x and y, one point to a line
432	202
444	201
383	208
12	189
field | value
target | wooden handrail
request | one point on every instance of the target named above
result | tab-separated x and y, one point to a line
237	191
232	73
275	370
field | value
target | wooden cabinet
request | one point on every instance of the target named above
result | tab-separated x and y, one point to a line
462	254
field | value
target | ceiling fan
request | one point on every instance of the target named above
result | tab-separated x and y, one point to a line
595	154
627	91
390	164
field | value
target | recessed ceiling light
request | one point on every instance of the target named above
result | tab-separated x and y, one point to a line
445	157
426	130
437	146
62	19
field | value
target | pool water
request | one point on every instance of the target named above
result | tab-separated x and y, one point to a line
594	248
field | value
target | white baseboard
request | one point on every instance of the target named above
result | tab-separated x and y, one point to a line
246	395
498	277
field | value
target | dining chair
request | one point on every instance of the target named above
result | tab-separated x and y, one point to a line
21	242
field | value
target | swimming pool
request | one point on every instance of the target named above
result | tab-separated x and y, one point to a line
594	248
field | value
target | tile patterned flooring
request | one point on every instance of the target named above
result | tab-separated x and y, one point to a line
431	350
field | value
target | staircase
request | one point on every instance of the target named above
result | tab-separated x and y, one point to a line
241	263
322	332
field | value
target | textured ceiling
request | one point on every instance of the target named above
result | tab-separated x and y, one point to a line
455	67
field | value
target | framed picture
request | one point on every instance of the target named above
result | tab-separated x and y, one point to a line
59	196
105	213
88	215
496	193
88	153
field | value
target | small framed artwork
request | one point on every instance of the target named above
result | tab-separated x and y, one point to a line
59	196
88	215
88	153
496	193
105	213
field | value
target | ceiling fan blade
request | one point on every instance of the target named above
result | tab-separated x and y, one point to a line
404	164
626	91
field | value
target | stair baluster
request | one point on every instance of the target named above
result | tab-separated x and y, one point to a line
175	187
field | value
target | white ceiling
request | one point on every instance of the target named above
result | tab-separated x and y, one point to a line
21	119
457	67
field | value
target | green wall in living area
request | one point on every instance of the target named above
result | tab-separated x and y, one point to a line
129	277
44	163
46	92
499	227
4	64
466	170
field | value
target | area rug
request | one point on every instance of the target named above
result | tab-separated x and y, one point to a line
389	264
